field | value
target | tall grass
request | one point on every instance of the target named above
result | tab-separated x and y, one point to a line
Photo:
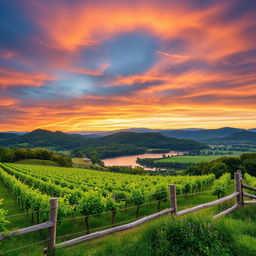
193	236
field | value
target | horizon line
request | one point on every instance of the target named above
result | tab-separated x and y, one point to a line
116	130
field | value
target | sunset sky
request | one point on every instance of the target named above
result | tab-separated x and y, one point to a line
78	65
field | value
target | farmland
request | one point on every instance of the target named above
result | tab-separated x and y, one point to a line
108	190
176	162
32	187
188	159
92	200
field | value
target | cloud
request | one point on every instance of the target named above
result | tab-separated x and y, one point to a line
77	65
172	55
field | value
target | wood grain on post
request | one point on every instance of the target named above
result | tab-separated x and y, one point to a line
173	198
52	230
241	187
238	188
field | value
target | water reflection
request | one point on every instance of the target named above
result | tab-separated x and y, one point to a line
131	160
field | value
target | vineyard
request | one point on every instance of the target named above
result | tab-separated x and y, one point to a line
89	199
89	192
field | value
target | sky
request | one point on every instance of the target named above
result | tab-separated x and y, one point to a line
79	65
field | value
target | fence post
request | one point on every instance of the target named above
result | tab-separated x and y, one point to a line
173	198
238	187
52	230
241	182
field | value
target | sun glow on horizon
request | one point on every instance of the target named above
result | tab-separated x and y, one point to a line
90	66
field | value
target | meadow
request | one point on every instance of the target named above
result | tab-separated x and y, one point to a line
37	162
188	159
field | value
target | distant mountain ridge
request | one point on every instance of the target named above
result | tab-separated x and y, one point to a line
7	135
128	141
206	135
142	130
71	140
242	136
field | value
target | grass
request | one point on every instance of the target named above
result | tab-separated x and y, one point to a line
226	152
80	161
188	159
195	235
77	225
37	162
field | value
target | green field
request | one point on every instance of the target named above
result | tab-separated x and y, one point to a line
223	152
188	159
37	162
79	161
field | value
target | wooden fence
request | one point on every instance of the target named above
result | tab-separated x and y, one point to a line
51	225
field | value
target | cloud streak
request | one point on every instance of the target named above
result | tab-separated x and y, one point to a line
82	65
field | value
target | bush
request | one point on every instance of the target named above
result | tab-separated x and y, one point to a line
190	237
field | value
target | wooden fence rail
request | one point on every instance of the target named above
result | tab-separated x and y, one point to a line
51	225
27	230
207	205
112	230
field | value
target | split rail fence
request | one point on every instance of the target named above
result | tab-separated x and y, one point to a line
51	225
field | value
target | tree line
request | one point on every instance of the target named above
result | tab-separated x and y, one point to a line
246	163
152	163
11	155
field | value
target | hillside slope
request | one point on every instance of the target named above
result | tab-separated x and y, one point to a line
150	140
206	135
122	143
7	135
241	137
45	138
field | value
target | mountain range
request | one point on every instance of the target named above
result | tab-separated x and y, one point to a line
120	143
137	137
198	134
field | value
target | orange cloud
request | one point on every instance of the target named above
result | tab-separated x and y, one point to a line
204	79
176	56
84	24
18	78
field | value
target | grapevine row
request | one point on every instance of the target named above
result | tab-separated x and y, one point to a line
220	185
93	192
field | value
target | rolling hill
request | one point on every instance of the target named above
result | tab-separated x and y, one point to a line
206	135
128	142
117	144
45	138
241	137
150	140
7	135
202	135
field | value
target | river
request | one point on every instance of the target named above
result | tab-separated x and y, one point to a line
131	160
